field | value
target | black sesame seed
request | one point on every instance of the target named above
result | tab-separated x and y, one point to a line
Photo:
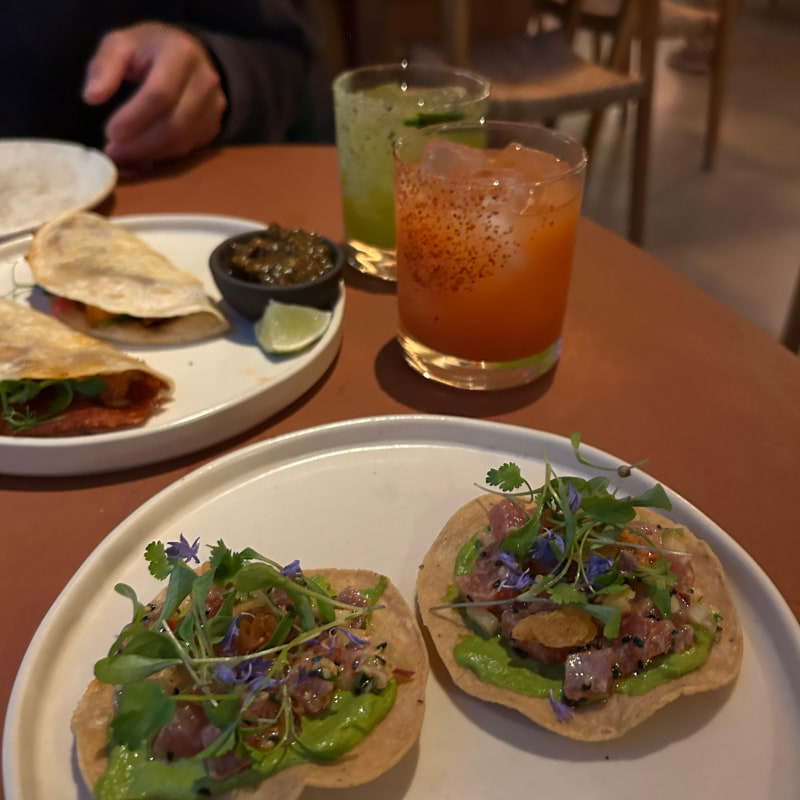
638	641
496	584
626	639
380	659
586	686
498	563
616	671
484	554
469	598
145	618
673	633
381	646
719	629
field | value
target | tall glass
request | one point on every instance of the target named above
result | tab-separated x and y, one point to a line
486	221
374	106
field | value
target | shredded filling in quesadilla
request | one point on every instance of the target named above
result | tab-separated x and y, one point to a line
85	405
243	669
55	381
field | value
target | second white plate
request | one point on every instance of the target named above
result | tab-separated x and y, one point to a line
223	386
374	493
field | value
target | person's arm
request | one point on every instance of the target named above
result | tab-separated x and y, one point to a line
262	51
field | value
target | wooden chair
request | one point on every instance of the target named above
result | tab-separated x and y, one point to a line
675	19
534	78
791	330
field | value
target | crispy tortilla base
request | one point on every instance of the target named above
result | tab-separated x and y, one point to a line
379	752
621	712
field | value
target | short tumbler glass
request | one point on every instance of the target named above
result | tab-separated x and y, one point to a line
486	222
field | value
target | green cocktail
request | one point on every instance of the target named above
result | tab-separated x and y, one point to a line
374	106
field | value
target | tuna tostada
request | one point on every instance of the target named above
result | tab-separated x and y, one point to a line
248	678
584	610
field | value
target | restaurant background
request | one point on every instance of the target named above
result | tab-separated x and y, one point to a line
733	231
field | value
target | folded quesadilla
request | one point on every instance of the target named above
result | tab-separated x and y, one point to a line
109	283
57	382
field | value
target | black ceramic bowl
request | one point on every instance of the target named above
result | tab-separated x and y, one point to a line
250	298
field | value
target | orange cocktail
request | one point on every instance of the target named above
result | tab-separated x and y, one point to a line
485	234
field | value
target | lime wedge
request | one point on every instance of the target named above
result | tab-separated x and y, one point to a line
286	328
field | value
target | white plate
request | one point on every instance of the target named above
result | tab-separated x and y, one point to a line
223	386
374	493
41	178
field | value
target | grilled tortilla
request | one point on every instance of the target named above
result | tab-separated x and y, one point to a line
379	752
35	347
619	713
111	284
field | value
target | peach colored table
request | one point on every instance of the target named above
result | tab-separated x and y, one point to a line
652	367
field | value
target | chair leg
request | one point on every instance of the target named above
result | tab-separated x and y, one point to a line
719	73
791	331
593	131
597	47
639	173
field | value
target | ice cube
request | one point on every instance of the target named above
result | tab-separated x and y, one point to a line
452	160
532	165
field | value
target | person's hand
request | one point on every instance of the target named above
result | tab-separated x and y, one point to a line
178	105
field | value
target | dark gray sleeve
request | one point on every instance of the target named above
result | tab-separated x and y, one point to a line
263	52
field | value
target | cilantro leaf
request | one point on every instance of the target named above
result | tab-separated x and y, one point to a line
225	563
610	616
158	564
507	477
564	593
143	709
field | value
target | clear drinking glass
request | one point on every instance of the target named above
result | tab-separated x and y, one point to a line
375	105
486	221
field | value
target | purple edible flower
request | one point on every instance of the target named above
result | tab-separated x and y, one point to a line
183	551
562	711
290	570
260	684
245	671
597	566
544	546
573	497
517	581
508	560
231	635
352	637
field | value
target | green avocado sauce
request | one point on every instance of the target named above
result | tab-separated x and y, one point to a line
134	775
496	664
468	556
668	667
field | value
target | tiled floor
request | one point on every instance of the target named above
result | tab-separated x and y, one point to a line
734	232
